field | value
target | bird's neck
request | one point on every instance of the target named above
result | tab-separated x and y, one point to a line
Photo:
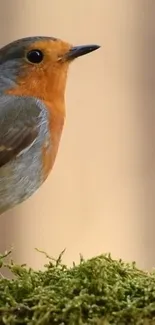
50	90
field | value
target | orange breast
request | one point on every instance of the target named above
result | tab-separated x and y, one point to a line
49	152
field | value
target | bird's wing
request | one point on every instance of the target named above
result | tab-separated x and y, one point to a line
19	120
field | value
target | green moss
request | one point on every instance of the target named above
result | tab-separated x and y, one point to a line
98	291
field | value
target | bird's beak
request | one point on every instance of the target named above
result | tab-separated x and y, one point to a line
77	51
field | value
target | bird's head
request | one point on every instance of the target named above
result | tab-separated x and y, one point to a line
37	66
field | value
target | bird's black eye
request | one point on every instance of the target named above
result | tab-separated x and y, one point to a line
35	56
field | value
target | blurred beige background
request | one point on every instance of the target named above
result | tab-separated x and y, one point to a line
100	196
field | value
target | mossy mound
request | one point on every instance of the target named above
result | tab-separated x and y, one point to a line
97	291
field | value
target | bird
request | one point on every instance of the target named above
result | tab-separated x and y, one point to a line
33	76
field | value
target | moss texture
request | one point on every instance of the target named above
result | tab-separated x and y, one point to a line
97	291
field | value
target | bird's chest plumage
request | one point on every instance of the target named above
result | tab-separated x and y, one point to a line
20	178
51	143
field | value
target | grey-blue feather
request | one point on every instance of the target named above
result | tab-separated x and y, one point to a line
23	125
19	125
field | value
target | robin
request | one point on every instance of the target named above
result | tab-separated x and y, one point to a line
33	73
